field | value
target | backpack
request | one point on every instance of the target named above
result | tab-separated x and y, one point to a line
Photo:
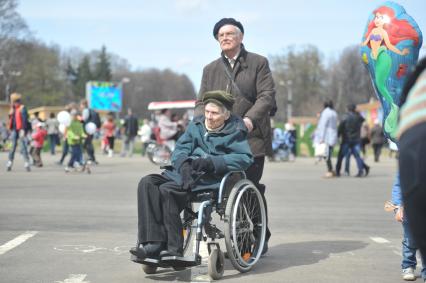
94	117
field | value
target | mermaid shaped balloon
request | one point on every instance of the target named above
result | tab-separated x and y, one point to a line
390	47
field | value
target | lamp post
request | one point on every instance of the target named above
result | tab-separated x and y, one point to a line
289	100
287	84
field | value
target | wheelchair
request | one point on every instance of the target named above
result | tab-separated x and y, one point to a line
240	206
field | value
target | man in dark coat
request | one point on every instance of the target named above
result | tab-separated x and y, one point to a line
130	128
247	77
214	143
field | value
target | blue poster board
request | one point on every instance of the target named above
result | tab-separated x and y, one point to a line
105	96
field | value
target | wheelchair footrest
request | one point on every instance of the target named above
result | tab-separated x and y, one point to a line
170	261
177	261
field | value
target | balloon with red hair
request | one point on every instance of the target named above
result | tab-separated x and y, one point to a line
390	48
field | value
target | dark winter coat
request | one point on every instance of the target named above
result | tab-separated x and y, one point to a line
228	149
131	126
254	79
350	127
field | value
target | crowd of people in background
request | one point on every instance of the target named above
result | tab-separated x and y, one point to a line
31	134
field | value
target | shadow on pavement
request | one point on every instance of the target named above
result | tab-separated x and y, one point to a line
278	258
296	254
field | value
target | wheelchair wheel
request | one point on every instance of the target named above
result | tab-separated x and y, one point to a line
149	269
216	264
160	154
245	225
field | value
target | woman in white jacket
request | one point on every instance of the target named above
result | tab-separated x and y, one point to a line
326	133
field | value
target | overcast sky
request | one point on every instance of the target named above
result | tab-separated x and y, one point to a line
177	34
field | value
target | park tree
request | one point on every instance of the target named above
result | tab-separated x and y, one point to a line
301	71
12	29
41	80
348	80
84	74
102	70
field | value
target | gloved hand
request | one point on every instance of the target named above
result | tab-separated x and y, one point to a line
203	165
185	171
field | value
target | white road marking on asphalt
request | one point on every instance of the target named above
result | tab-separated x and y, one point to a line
74	278
379	240
199	273
16	242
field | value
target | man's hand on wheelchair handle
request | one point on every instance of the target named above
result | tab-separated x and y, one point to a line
203	165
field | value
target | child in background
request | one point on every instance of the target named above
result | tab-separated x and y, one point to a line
38	136
75	136
109	133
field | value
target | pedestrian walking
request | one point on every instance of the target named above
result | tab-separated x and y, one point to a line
350	127
38	135
19	126
377	139
145	133
52	125
247	76
109	133
130	128
75	138
326	134
89	116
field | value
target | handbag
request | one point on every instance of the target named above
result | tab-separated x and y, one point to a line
321	150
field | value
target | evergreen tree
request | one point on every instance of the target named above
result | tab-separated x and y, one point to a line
84	74
103	67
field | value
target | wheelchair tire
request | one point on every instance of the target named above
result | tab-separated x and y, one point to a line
245	225
216	264
149	269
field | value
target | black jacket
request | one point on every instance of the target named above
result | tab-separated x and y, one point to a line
350	128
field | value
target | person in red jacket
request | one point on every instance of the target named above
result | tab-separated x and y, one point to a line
18	126
38	138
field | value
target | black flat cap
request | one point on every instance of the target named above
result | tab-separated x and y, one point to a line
226	21
219	97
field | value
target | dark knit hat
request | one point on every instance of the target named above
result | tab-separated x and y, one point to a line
226	21
219	97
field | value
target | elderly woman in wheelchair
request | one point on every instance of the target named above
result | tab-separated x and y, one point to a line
207	158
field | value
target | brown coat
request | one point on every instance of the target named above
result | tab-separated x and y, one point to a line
254	79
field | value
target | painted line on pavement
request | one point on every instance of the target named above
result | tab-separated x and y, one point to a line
379	240
74	278
16	242
199	273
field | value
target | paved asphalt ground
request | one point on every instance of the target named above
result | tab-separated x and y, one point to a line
57	227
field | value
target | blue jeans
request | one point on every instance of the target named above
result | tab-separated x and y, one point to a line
76	155
53	139
14	136
409	249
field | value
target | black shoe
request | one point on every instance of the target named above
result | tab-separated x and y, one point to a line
153	249
359	175
138	252
367	170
